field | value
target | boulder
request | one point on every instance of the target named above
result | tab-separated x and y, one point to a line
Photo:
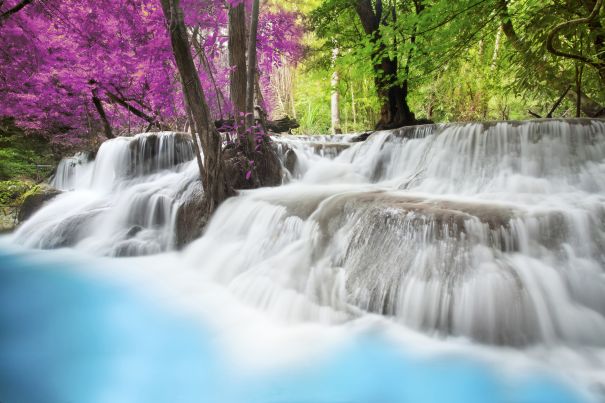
290	160
190	222
265	171
11	197
35	199
361	137
8	218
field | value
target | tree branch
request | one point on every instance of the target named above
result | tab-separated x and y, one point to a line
135	111
101	111
589	106
556	105
4	16
555	33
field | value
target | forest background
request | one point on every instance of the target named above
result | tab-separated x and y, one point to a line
73	74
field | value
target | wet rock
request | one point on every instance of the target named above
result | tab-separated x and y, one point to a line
265	170
447	218
153	152
362	137
290	160
35	199
69	231
329	149
268	167
8	219
424	121
190	221
133	231
11	197
236	166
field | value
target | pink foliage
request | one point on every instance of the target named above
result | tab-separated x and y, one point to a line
55	53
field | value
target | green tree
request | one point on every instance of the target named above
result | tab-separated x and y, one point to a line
466	59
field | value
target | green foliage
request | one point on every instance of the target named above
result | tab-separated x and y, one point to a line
533	21
21	152
359	105
450	56
13	192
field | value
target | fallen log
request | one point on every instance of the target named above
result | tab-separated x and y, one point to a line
283	125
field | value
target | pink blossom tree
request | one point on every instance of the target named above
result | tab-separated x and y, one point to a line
75	68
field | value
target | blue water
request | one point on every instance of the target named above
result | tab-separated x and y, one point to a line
66	337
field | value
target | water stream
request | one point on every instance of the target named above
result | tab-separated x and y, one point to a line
479	247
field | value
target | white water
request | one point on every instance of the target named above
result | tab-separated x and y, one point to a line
492	233
123	203
72	172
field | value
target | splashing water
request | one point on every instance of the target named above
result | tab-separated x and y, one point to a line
123	203
483	239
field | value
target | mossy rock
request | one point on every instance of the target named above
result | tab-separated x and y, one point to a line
8	219
35	198
11	196
13	191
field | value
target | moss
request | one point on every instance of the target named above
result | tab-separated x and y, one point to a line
34	190
22	154
13	192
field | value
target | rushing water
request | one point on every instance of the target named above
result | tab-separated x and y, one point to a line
480	243
123	203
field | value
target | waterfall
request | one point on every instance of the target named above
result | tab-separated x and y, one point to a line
490	232
71	172
124	203
493	231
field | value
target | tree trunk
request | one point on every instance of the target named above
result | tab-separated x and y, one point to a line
395	111
193	131
266	167
335	98
213	178
496	49
258	93
579	72
251	76
220	99
101	111
237	62
353	107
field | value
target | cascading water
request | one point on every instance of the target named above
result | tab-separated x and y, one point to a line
494	232
71	172
123	203
490	232
299	153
